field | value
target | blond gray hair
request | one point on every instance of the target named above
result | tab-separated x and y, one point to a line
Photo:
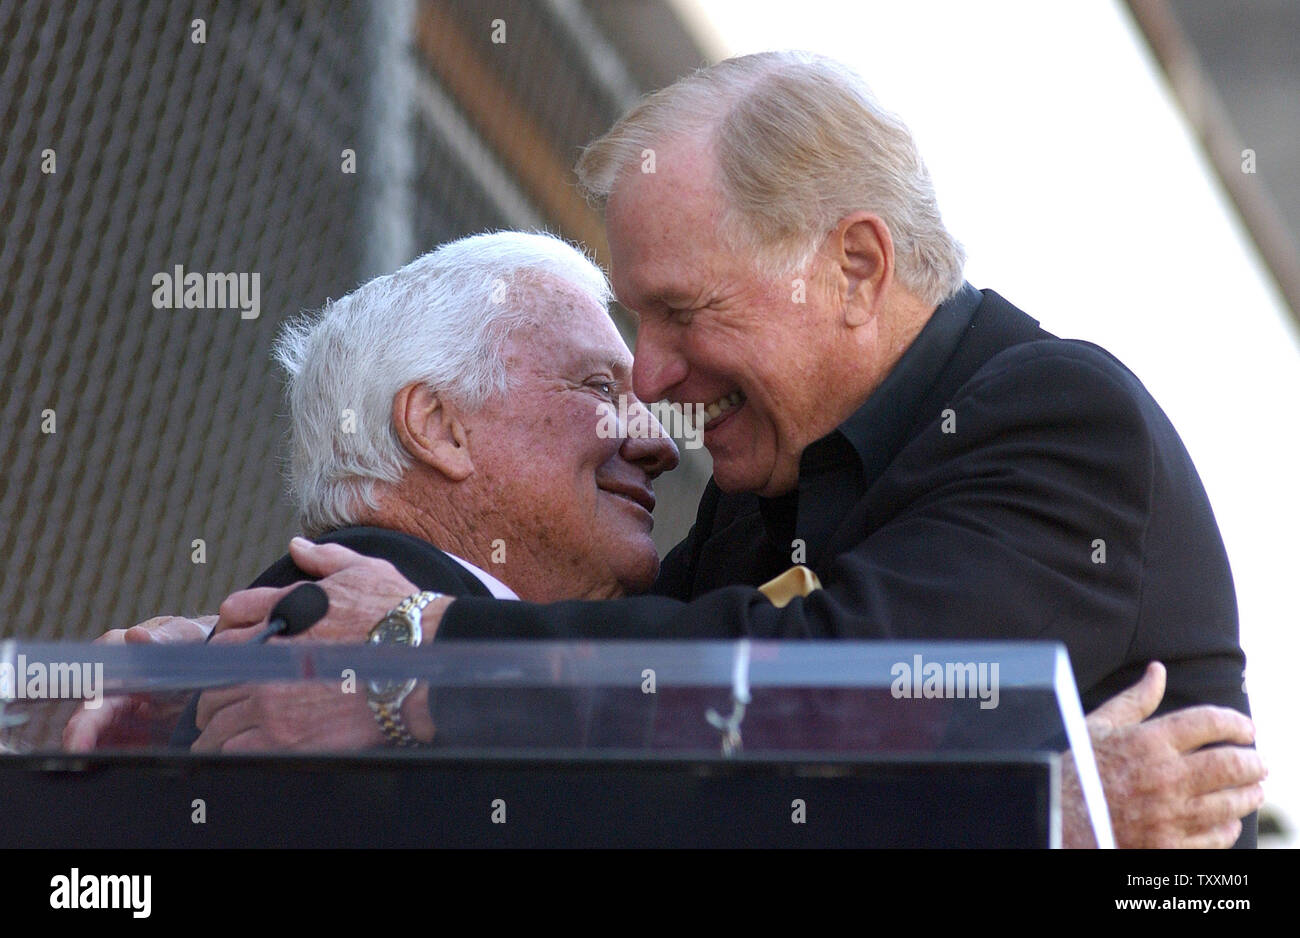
799	142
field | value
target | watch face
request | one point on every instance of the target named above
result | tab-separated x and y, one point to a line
392	630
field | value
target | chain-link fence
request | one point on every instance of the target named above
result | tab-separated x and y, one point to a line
143	141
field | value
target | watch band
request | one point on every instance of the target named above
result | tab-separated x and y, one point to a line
391	722
388	712
417	602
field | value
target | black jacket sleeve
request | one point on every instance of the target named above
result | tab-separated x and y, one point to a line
418	561
1027	522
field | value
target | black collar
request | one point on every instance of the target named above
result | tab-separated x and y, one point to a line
881	425
424	564
855	453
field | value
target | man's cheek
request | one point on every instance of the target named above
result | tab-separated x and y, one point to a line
602	421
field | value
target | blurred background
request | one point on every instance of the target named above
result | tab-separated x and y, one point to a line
1145	151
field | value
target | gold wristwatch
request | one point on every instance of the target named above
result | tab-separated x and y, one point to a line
399	627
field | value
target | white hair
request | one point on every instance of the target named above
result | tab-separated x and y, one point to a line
800	143
442	320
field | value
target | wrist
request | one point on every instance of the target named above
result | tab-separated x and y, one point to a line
415	708
415	713
432	617
401	707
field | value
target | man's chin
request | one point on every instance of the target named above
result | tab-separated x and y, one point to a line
637	573
734	476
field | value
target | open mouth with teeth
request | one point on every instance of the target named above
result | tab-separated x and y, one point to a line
723	407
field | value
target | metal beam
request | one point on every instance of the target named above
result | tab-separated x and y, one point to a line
506	127
1209	119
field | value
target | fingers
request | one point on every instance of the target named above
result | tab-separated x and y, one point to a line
284	717
157	629
165	629
139	632
249	740
1221	807
248	607
213	702
82	732
238	636
1223	767
1194	727
225	717
1133	705
1217	838
322	560
80	735
138	635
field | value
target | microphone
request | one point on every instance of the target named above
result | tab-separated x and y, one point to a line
296	612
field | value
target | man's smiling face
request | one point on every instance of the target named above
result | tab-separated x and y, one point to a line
574	500
714	333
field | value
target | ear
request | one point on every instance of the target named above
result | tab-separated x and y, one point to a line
431	431
863	250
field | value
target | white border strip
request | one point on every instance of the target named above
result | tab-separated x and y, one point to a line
1076	730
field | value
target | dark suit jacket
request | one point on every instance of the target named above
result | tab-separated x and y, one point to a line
419	561
1001	483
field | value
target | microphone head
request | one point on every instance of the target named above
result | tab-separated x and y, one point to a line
301	609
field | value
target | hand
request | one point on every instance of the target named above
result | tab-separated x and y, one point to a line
361	591
135	719
1163	789
256	717
259	717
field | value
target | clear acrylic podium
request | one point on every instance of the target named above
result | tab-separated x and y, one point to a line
602	744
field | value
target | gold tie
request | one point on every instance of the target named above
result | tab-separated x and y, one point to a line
797	581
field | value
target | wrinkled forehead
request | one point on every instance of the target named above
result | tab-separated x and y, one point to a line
565	326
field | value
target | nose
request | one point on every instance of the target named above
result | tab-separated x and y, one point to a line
655	452
657	365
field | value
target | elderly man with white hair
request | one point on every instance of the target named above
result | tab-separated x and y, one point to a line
946	468
445	418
